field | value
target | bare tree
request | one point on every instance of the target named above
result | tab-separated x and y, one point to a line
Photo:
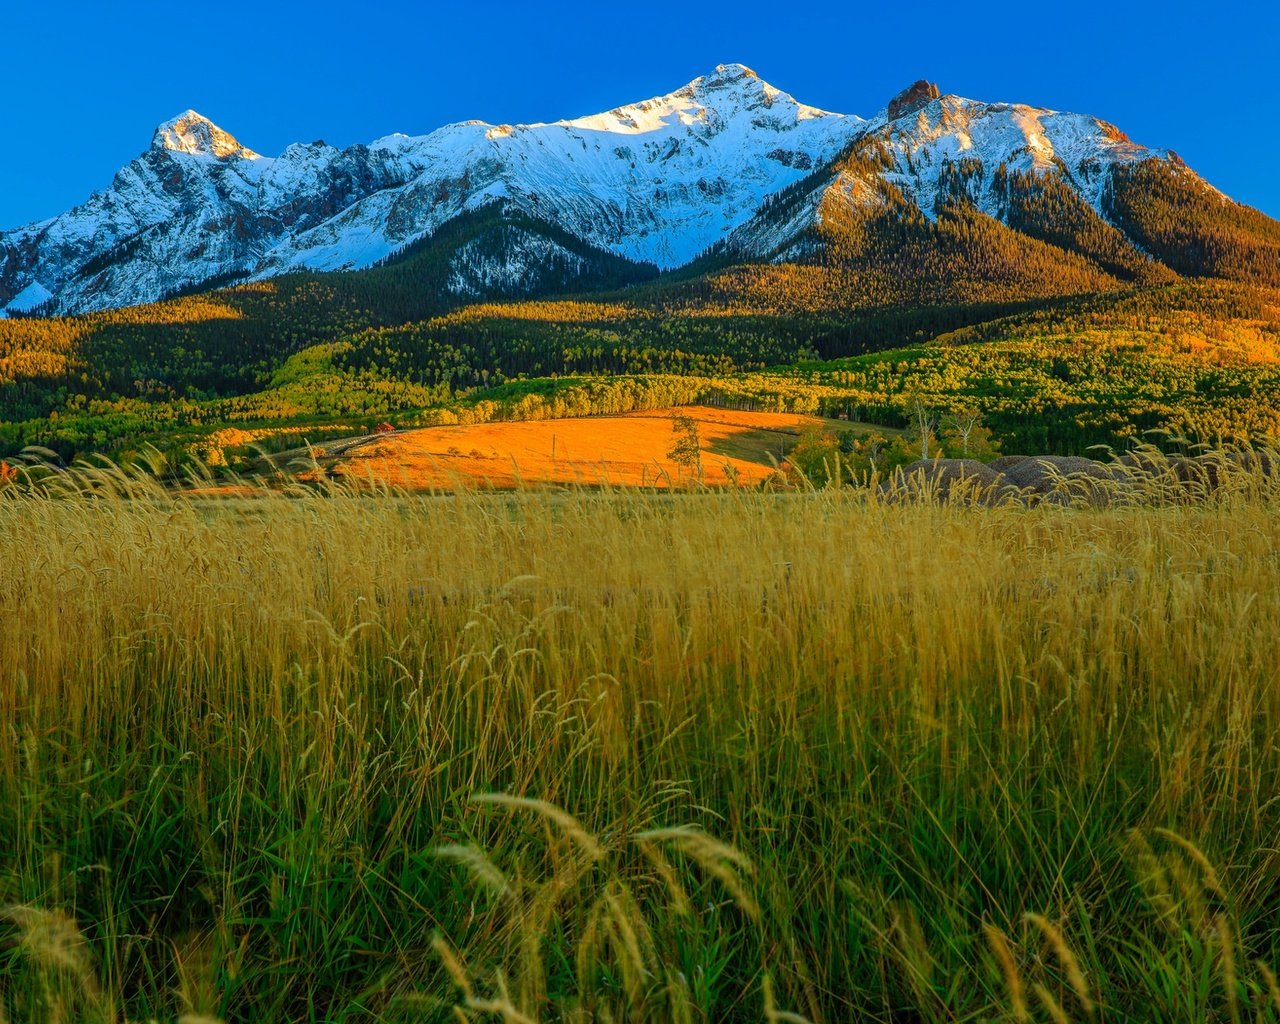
925	422
961	424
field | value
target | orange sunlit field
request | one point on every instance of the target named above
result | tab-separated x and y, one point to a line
629	450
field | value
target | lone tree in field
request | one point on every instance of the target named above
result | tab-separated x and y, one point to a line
685	450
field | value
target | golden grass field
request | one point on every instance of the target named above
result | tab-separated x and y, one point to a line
620	451
618	756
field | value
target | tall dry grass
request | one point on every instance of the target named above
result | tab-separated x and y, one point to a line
607	756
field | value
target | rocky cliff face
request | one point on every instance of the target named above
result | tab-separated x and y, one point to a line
659	181
912	99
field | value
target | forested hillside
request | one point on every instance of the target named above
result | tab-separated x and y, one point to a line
1192	228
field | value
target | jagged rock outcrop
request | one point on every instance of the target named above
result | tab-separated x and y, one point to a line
912	98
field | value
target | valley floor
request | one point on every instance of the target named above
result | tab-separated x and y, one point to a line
630	451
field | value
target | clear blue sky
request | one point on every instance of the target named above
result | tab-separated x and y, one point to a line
85	82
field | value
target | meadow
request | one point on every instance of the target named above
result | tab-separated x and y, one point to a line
632	450
611	755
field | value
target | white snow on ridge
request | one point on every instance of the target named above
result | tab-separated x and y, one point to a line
657	181
32	296
1022	138
688	106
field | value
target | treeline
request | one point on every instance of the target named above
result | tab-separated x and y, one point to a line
531	339
871	246
1046	207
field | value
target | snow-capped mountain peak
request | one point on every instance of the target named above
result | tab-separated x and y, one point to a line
737	80
194	134
728	90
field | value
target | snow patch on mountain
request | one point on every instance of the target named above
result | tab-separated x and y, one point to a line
33	296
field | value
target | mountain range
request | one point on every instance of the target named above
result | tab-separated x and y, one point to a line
727	169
